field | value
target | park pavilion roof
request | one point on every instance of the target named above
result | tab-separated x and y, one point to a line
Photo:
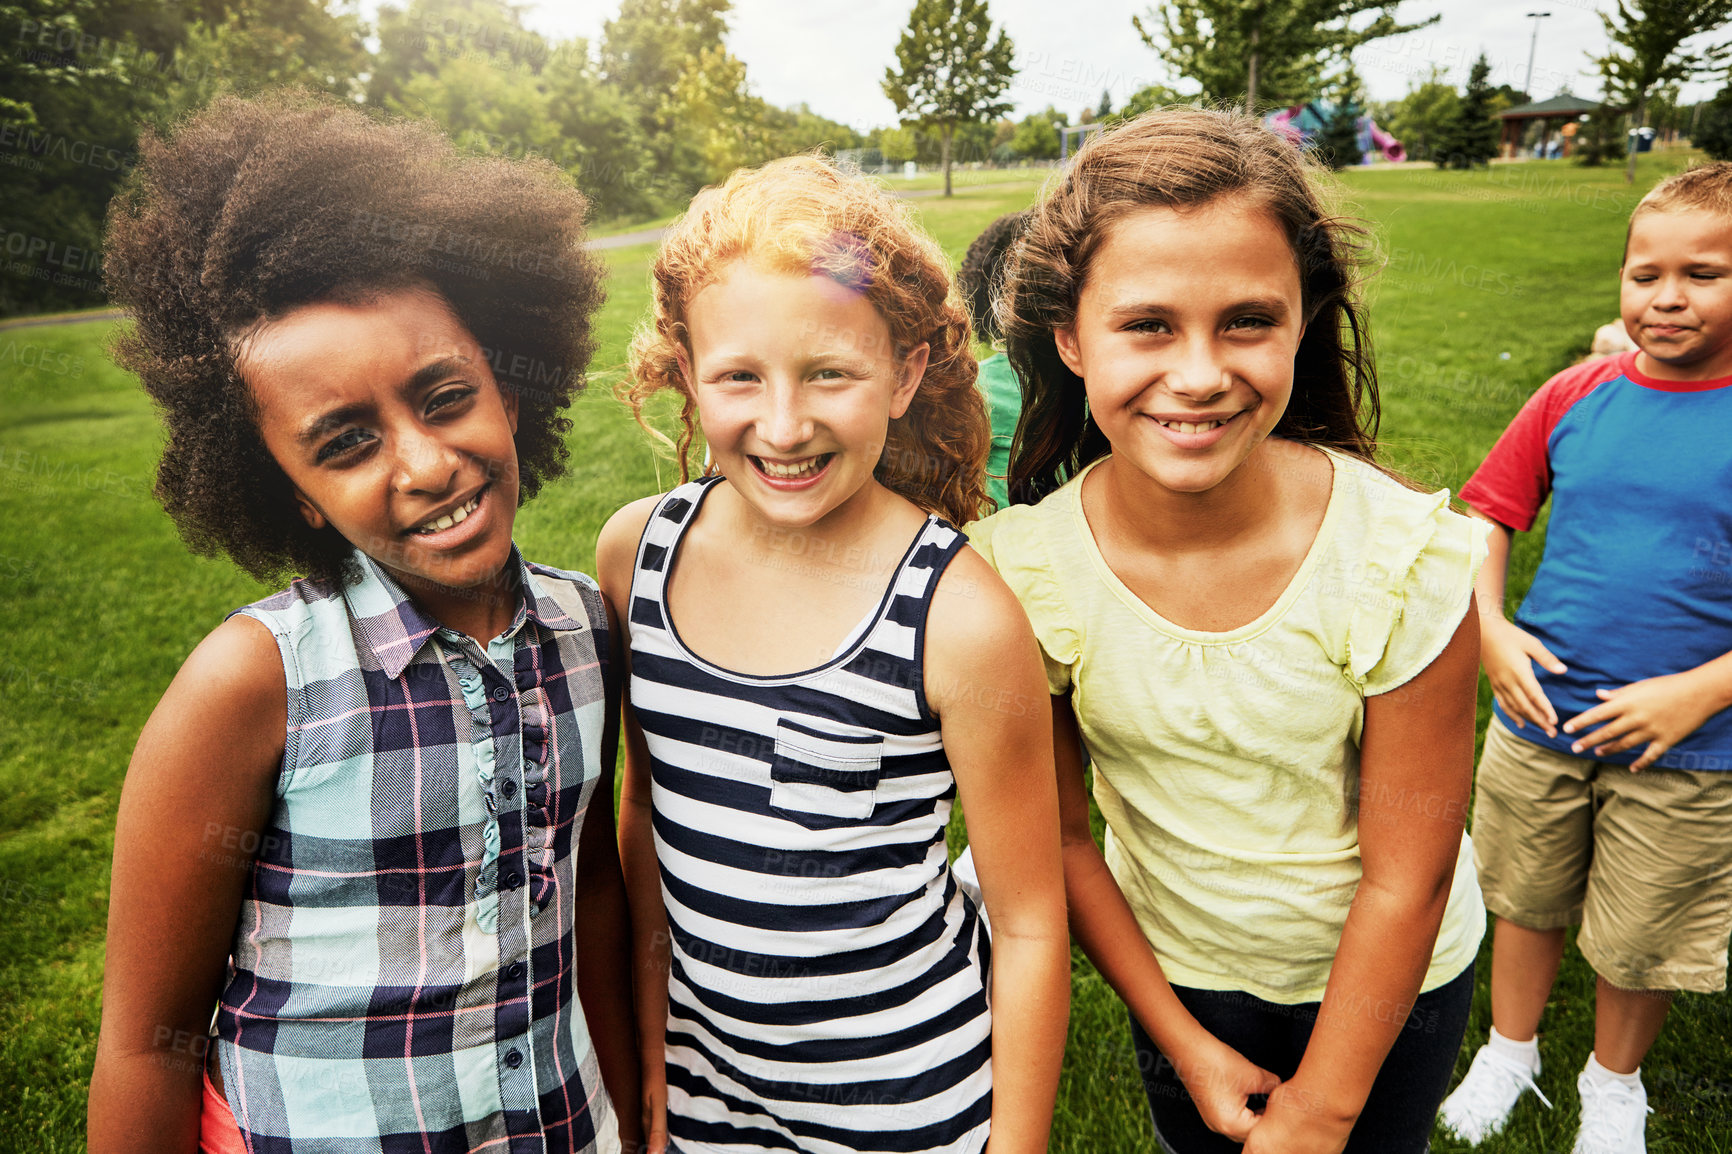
1557	108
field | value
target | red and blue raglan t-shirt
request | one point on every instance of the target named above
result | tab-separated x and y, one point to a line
1636	578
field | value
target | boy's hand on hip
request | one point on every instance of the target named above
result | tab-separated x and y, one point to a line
1508	653
1296	1123
1661	711
1220	1081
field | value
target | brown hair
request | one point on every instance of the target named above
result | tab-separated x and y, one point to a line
255	207
1705	188
800	214
1182	158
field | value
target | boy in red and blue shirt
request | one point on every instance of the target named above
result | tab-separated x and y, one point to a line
1605	789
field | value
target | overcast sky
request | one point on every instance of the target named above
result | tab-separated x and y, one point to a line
831	54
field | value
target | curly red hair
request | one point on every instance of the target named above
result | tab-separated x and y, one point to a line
800	214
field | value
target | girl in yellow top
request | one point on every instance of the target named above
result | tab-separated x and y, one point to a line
1262	641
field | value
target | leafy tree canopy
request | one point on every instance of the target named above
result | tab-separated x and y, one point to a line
1265	53
1471	139
1424	118
1647	51
950	70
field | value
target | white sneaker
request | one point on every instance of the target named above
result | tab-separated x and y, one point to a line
1614	1118
1482	1103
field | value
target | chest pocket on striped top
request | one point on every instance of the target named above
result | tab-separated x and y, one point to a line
824	774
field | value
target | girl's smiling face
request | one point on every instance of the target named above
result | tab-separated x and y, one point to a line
796	380
387	419
1185	334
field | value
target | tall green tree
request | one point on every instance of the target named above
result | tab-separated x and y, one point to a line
651	43
1036	136
1472	139
718	116
78	80
1424	118
1713	133
259	44
1648	52
422	36
951	70
645	52
1263	53
1338	143
1601	139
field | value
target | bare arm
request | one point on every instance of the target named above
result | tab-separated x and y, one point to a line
1507	650
197	798
616	553
1416	768
984	681
604	943
1219	1079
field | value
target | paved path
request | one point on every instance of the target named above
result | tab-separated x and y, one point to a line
651	235
627	239
62	319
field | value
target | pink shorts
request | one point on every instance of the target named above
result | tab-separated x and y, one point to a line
218	1132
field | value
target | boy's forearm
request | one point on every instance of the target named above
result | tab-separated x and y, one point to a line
1488	586
1716	679
1031	1007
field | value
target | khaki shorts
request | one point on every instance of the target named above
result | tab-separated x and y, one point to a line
1642	861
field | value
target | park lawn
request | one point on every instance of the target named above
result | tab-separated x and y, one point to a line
99	603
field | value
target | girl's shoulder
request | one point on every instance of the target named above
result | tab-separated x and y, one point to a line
577	595
616	547
307	606
1026	537
1379	516
1399	575
1040	554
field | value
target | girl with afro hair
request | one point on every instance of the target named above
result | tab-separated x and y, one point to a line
368	825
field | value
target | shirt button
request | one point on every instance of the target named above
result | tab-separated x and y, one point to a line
515	970
501	693
513	1059
508	788
511	880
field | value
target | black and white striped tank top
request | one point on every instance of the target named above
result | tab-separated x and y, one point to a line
828	990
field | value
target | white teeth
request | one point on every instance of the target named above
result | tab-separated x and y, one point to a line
1192	427
455	517
801	469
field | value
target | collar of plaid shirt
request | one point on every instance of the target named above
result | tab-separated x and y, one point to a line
396	634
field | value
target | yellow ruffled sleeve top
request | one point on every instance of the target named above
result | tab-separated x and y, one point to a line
1227	764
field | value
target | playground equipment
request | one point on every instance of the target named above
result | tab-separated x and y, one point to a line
1302	122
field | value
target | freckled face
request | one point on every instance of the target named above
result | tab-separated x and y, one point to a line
1185	335
796	380
387	419
1675	292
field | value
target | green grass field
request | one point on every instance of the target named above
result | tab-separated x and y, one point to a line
1493	282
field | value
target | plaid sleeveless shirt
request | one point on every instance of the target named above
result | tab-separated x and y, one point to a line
402	976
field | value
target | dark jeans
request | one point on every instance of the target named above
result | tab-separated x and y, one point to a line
1404	1099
